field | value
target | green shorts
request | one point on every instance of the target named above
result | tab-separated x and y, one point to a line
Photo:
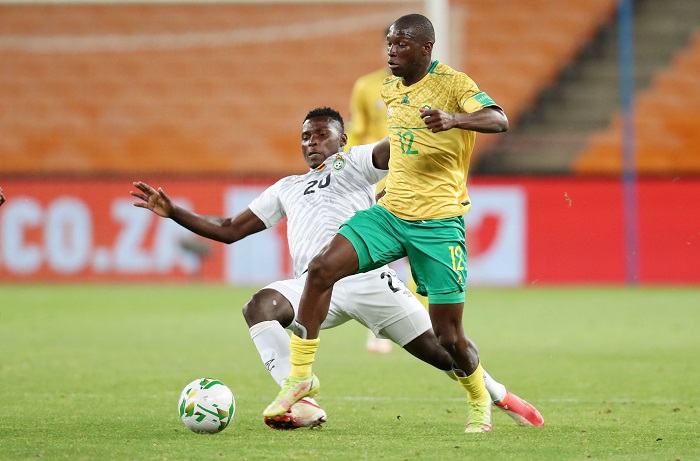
435	248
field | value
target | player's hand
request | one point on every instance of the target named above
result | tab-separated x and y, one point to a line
380	194
155	200
2	197
437	120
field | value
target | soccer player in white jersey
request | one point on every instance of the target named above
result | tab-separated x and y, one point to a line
316	204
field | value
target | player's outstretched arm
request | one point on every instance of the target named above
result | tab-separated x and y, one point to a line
226	230
490	119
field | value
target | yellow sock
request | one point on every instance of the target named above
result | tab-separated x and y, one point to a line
303	353
475	386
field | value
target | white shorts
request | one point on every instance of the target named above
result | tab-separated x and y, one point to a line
377	299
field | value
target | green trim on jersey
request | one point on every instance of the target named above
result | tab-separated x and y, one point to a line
408	127
484	99
432	70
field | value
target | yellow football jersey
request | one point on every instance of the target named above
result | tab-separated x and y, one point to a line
367	110
428	171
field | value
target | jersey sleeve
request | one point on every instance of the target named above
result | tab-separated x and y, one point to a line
473	99
267	206
362	155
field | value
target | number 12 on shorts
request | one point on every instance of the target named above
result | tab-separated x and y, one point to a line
457	255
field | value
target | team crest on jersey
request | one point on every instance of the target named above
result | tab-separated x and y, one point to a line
405	100
338	163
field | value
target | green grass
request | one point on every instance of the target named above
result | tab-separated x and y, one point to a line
95	372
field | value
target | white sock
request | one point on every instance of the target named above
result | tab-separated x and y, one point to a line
272	342
497	391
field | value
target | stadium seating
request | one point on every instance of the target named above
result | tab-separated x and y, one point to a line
514	53
222	88
665	124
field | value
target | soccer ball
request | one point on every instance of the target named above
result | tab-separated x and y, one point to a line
206	406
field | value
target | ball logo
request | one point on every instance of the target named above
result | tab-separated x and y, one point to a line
338	163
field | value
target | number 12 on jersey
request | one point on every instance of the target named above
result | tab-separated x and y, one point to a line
406	140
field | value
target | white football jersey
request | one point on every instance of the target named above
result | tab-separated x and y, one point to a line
318	202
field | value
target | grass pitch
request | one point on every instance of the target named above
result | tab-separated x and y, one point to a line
95	372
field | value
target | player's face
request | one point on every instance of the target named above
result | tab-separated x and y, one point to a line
321	137
408	55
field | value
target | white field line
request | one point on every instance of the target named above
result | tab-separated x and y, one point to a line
354	398
189	40
453	399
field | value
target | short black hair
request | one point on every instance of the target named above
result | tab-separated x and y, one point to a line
327	112
419	24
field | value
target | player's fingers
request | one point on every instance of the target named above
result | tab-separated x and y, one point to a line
162	192
141	196
146	188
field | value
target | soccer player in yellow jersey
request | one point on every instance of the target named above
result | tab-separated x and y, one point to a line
367	109
367	125
433	114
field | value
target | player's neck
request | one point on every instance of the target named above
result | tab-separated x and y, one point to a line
411	80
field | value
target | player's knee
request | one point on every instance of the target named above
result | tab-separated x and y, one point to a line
263	307
251	312
449	343
453	342
427	348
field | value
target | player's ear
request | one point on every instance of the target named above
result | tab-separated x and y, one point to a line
343	139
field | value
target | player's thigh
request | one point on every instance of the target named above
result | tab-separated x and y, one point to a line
407	328
379	300
373	234
293	288
438	256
